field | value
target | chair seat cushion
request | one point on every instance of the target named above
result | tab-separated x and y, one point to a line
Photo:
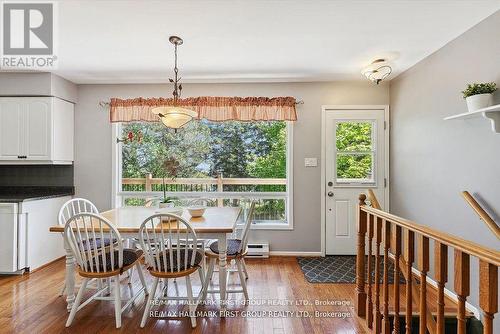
129	257
98	242
172	266
233	247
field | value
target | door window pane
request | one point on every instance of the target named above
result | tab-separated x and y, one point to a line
354	167
355	151
354	136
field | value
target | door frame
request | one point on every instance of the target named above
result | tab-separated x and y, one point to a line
332	108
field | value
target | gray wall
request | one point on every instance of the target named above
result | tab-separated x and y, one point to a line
93	143
433	160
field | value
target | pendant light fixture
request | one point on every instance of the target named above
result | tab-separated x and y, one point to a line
175	117
377	71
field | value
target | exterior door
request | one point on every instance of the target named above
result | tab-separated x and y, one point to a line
355	158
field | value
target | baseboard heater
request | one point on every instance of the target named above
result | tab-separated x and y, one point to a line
256	250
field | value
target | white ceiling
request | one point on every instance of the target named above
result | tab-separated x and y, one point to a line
241	41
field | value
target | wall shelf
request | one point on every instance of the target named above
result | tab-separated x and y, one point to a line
492	113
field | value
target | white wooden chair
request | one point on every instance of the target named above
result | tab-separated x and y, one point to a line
71	208
171	251
98	260
236	251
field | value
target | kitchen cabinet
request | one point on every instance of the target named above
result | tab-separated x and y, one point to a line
36	130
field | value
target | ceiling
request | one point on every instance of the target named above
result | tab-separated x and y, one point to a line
253	41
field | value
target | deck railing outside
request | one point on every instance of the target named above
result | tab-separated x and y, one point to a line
270	193
404	242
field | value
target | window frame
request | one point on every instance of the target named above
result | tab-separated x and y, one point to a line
118	196
358	183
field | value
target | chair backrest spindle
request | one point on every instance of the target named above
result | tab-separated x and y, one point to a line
81	233
169	242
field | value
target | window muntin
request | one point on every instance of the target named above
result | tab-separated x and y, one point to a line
355	152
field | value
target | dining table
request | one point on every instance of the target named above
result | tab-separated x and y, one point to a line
215	223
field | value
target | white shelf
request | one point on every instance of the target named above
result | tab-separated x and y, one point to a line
492	113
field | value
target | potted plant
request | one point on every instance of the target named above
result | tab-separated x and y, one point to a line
171	169
479	95
167	202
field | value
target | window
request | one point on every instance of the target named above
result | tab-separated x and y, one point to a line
355	152
223	161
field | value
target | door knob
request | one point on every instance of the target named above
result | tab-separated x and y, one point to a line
330	194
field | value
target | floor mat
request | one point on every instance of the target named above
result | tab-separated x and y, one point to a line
339	269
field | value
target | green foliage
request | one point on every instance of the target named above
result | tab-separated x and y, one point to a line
354	137
190	147
479	88
205	149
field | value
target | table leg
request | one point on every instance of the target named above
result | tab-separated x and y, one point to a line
222	270
70	277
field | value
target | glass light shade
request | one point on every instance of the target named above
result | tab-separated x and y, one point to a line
377	71
174	117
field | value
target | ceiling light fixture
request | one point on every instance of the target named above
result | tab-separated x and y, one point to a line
377	71
174	116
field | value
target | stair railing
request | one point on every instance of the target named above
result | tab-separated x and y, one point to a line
483	215
388	231
411	289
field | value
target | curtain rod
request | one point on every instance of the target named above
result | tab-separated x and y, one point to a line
105	104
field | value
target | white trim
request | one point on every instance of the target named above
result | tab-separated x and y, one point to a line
289	176
295	253
450	294
116	162
324	109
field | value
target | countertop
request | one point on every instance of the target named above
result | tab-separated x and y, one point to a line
14	194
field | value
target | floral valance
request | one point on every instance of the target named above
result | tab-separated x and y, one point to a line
210	108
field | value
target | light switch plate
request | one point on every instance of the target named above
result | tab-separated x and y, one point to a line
311	162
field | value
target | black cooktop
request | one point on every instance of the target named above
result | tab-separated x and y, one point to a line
13	194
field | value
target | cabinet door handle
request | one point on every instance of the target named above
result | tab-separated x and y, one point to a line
21	157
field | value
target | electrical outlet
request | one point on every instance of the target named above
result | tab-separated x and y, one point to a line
311	162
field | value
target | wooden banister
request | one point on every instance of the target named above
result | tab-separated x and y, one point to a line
415	294
416	240
483	215
373	199
483	253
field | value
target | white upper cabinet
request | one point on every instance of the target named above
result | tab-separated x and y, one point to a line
36	130
11	128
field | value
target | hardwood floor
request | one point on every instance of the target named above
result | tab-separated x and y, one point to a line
30	304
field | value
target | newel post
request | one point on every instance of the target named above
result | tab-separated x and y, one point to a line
360	259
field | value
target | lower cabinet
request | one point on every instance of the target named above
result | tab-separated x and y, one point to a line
42	246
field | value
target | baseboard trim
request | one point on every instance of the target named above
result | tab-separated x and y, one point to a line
294	253
43	266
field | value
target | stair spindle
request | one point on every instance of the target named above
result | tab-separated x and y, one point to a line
396	249
488	294
462	286
423	267
360	261
386	325
410	255
441	268
369	304
378	240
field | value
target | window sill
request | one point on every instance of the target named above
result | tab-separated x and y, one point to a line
272	226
